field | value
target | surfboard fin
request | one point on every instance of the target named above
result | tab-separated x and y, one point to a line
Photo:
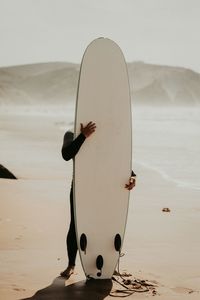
83	242
99	264
118	242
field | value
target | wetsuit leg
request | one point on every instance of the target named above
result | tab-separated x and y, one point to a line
71	236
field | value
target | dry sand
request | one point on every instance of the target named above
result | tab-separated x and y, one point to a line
162	247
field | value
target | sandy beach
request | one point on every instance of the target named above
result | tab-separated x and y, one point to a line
44	49
161	247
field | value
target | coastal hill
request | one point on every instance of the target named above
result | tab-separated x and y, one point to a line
56	83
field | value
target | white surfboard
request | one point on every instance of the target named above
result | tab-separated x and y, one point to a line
103	165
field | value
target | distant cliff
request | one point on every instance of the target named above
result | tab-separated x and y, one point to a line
164	85
56	83
49	83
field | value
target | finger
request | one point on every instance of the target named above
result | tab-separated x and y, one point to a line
91	125
132	183
130	186
88	124
92	129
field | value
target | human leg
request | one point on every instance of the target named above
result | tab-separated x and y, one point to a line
71	242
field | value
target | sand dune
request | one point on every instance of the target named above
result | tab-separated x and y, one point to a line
53	83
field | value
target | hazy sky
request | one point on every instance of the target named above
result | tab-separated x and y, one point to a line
154	31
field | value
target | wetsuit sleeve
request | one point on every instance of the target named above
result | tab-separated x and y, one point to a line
133	174
71	147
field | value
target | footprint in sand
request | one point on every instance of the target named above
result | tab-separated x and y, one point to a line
19	289
15	288
182	290
19	237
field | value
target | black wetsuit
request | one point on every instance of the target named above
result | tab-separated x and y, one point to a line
69	149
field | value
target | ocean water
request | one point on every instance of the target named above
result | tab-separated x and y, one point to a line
167	140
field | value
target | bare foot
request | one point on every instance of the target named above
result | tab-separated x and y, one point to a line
116	273
67	272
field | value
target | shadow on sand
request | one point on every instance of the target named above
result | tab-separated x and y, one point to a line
82	290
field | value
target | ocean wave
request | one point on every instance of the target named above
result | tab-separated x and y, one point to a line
170	178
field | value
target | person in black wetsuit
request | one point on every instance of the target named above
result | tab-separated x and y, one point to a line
70	148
